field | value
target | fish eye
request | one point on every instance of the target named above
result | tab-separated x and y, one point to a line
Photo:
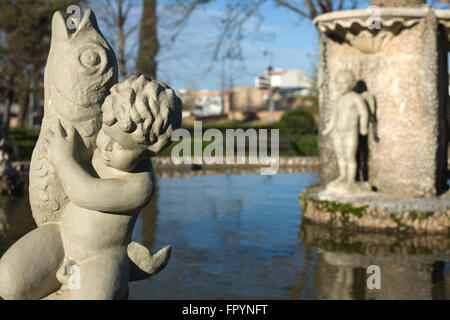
89	58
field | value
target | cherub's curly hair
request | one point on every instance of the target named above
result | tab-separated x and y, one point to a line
147	109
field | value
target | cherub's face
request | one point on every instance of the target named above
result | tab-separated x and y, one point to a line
344	85
118	149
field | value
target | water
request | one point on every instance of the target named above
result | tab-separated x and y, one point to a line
242	237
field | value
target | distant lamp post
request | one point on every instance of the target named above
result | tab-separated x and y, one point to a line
270	100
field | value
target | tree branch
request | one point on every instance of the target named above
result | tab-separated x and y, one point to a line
304	14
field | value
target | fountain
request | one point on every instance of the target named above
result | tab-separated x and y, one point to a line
397	51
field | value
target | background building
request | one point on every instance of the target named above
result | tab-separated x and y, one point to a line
289	82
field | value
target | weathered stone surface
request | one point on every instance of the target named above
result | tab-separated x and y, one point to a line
407	143
376	211
81	68
349	119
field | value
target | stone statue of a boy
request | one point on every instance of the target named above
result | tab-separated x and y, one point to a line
350	117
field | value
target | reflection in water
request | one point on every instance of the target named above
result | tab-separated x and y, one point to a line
240	237
412	267
147	223
233	237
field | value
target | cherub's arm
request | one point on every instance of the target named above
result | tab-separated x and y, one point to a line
108	195
119	195
363	115
331	123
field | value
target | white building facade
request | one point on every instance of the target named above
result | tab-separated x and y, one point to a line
289	80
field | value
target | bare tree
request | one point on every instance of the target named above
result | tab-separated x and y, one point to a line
121	23
239	13
173	15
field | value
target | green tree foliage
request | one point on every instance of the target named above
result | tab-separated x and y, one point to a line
297	122
301	129
306	145
25	29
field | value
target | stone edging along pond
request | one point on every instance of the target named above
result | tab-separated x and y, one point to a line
284	161
165	163
377	213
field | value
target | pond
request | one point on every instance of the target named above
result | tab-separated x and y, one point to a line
242	237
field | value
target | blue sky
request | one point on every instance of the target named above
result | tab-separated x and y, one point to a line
188	64
290	41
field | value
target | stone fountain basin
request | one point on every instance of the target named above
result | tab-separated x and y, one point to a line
377	211
357	28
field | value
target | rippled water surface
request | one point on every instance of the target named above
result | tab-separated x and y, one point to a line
241	237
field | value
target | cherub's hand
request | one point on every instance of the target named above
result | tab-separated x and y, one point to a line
327	130
61	142
363	131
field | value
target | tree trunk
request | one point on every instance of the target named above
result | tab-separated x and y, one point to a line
148	40
7	110
121	39
23	111
122	61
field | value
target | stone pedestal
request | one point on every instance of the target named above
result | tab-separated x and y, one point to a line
376	212
403	64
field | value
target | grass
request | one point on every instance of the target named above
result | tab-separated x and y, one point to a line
24	140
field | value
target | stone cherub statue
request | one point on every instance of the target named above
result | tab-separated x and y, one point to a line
350	117
90	175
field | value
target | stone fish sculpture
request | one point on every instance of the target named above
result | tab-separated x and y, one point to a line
81	68
90	177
